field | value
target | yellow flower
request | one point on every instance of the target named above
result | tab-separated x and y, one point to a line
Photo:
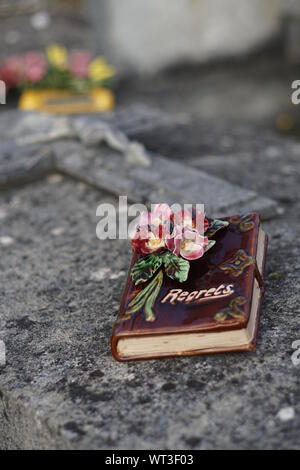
100	70
57	56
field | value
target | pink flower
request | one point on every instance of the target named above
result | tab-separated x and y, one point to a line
35	67
181	232
187	239
187	242
79	61
11	71
152	229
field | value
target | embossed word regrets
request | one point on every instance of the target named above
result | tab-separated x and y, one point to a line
179	295
2	92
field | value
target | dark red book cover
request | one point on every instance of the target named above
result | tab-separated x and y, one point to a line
217	295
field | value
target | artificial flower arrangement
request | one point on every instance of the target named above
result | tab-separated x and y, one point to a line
48	80
167	242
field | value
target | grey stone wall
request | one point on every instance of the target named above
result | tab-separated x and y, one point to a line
148	35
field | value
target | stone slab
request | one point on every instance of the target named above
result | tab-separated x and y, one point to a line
32	127
61	388
163	180
22	164
101	151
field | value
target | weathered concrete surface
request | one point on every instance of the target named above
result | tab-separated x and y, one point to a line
30	127
60	292
158	181
61	388
237	152
20	164
122	166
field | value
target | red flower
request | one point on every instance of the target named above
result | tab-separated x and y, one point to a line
35	67
181	232
11	71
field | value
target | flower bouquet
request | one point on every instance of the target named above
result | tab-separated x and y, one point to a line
58	82
166	242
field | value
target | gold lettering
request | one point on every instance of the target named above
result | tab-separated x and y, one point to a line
182	296
219	290
171	296
178	295
229	289
191	296
201	292
210	292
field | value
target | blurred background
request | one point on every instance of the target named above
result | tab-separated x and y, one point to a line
218	75
212	59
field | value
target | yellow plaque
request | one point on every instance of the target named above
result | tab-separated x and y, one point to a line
65	102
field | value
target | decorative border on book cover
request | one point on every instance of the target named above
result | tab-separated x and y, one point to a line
245	223
237	264
233	311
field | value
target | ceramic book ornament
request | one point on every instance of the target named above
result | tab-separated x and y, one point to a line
191	291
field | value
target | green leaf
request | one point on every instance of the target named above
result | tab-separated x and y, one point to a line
215	226
139	299
176	267
145	267
146	299
149	304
